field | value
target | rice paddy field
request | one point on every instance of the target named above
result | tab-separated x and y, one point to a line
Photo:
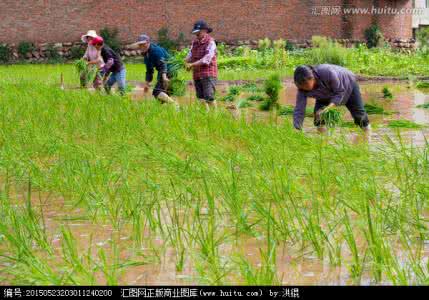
98	189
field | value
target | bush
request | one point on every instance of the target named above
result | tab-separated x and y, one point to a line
423	39
110	36
166	42
5	53
77	52
289	46
374	37
24	48
52	53
326	51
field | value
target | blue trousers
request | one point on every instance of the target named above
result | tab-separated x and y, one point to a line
117	77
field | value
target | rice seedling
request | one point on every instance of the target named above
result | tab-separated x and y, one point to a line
387	94
404	124
256	97
374	109
233	92
251	87
288	110
243	103
422	85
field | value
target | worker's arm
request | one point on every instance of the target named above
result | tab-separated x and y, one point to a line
299	112
207	58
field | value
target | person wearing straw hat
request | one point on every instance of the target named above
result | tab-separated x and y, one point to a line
202	60
156	57
113	66
93	57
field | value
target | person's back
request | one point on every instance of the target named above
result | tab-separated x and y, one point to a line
154	55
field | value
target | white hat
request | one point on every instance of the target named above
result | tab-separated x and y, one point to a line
90	33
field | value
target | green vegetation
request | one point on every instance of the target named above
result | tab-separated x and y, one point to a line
77	52
287	110
166	42
423	40
325	51
374	37
272	87
422	85
95	187
387	93
404	124
110	37
374	109
24	48
5	53
86	72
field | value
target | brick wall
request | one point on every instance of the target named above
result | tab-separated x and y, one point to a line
44	21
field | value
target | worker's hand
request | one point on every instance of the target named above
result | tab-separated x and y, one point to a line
188	66
92	62
324	110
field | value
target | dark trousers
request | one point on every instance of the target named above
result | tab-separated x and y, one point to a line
161	87
354	104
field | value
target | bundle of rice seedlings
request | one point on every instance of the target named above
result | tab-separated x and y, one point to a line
86	72
176	63
332	117
387	94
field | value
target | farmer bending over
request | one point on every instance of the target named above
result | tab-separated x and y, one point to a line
331	86
202	60
156	57
93	57
113	66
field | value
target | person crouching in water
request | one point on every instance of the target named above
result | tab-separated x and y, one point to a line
93	57
331	86
156	57
113	66
202	60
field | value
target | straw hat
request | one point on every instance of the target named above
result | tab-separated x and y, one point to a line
90	33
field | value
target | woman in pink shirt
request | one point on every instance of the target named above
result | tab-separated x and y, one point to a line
93	57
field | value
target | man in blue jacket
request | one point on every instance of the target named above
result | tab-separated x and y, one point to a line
156	57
